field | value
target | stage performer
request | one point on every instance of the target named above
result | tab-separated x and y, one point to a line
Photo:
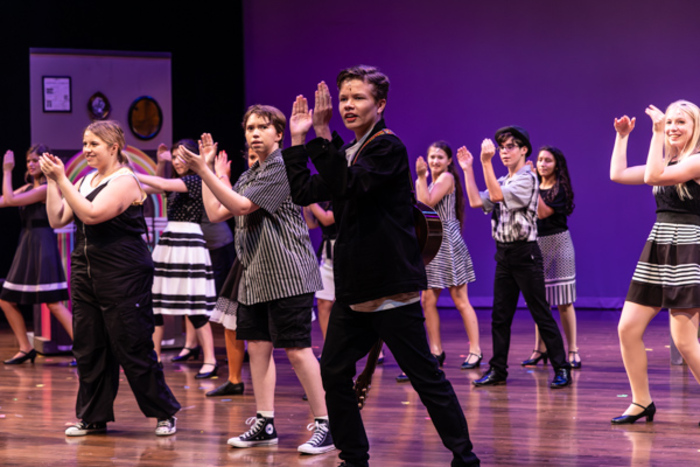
111	279
183	283
280	274
555	204
36	274
226	308
512	202
379	271
667	274
452	266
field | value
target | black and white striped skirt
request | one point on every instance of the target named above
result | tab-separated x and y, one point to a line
452	265
668	271
559	268
183	281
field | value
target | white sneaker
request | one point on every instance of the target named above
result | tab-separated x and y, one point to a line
82	429
166	427
321	441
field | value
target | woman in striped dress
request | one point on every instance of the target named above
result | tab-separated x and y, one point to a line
667	272
452	266
183	282
556	203
36	274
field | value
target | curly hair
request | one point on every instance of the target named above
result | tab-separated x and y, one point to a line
459	196
563	180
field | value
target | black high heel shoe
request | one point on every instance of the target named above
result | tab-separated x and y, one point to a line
31	355
534	361
191	353
648	412
575	364
470	366
440	358
208	374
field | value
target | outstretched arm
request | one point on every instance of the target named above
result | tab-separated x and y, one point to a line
466	161
619	172
160	184
220	201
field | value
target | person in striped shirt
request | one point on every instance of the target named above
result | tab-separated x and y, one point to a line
512	202
280	274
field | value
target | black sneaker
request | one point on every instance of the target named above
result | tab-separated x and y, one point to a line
261	434
321	441
166	427
83	429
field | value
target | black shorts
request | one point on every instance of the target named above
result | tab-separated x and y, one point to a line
285	322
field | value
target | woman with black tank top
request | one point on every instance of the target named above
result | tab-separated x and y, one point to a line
667	274
36	275
111	279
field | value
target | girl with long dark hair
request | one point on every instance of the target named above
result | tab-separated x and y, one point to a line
556	203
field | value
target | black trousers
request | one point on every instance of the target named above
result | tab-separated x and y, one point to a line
350	336
113	326
519	268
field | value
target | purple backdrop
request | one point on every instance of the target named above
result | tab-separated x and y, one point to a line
462	69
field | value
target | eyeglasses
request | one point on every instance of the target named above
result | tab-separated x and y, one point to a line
508	147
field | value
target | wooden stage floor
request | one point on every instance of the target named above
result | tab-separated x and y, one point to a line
521	424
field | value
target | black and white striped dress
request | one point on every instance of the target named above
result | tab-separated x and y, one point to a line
554	240
452	265
36	274
183	282
668	271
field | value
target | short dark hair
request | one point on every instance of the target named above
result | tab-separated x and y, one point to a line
268	112
368	74
503	137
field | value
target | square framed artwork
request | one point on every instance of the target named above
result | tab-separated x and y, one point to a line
57	93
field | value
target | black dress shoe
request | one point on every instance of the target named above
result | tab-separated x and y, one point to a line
535	360
440	358
561	379
227	389
470	366
208	374
490	378
648	412
191	353
31	355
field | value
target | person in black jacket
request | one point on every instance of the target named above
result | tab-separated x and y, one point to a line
377	260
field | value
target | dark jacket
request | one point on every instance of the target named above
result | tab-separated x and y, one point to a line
376	251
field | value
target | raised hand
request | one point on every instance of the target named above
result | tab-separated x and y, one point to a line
52	167
624	125
532	166
488	150
196	162
163	154
300	121
222	166
208	148
421	167
658	118
323	107
8	162
465	158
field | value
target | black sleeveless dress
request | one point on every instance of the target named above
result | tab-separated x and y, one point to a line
36	274
668	271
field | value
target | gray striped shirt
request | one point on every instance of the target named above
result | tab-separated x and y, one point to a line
515	218
273	242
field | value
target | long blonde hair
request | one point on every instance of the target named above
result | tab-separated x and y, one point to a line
691	147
